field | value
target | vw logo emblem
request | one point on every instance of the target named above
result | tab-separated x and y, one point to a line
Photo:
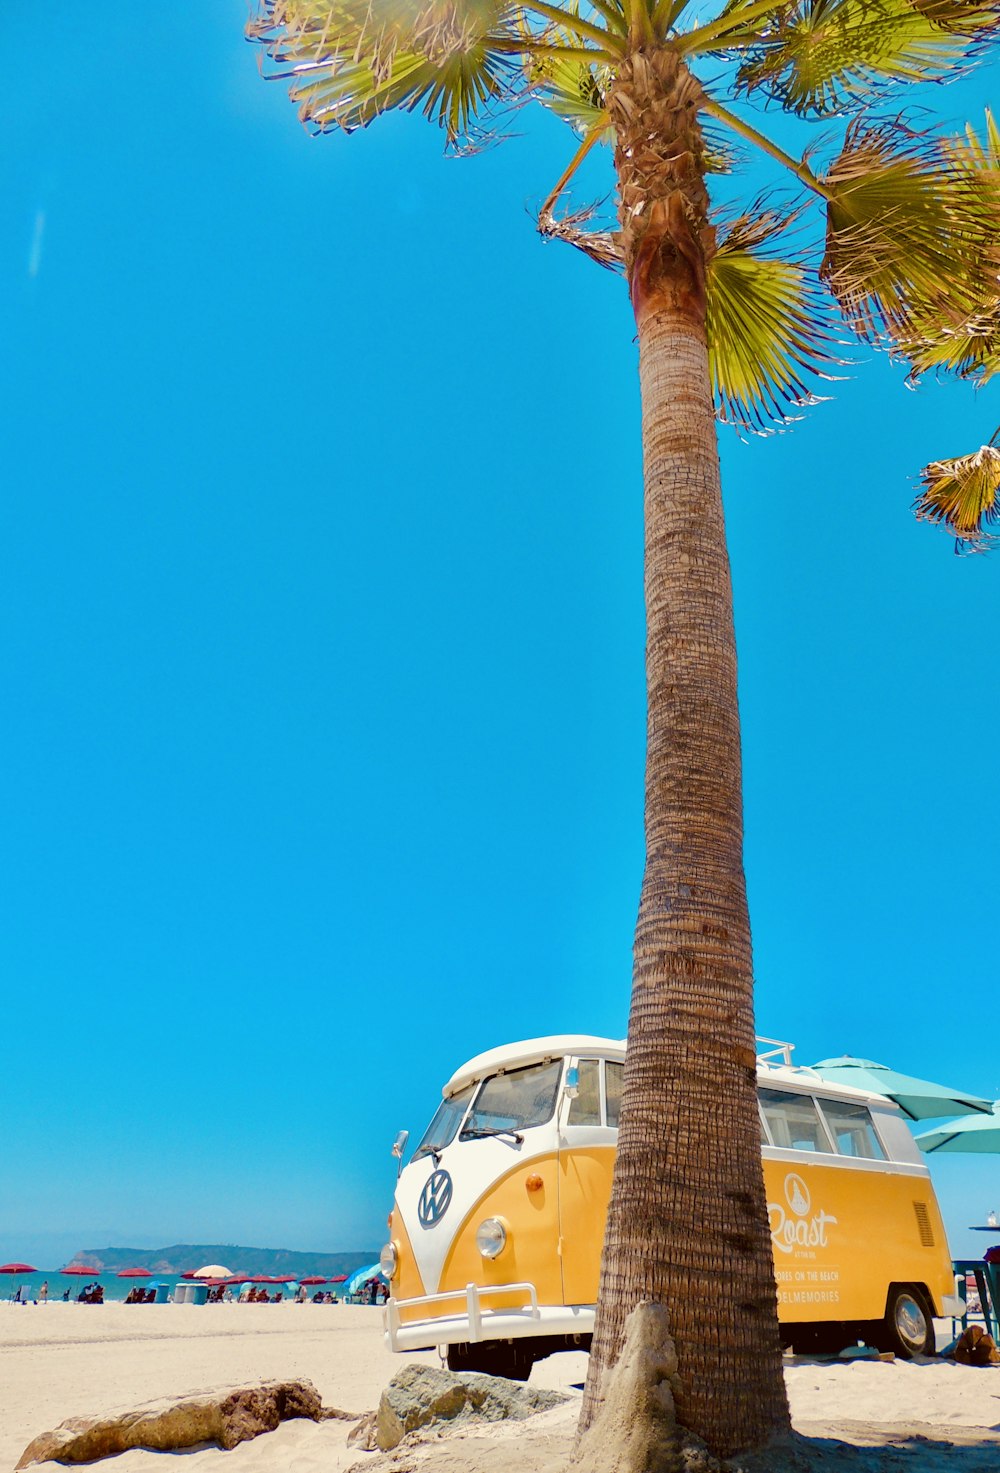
435	1199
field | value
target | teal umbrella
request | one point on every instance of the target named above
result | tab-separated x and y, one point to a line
361	1276
918	1098
973	1133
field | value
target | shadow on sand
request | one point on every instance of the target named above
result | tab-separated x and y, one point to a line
866	1448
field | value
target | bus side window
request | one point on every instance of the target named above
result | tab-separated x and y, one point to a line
852	1128
586	1108
793	1121
613	1089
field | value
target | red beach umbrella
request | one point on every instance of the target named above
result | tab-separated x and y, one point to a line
189	1275
284	1279
313	1279
259	1279
17	1268
135	1273
81	1268
340	1279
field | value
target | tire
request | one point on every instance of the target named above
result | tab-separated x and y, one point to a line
512	1359
908	1327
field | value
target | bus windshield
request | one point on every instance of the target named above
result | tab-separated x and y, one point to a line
514	1100
442	1129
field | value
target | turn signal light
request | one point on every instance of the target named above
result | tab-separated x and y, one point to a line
534	1182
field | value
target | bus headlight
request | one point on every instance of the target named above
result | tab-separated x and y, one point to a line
388	1260
491	1237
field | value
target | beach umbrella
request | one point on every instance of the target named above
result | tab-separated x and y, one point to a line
340	1279
81	1268
315	1279
362	1276
134	1273
211	1271
974	1134
284	1279
18	1268
920	1099
260	1279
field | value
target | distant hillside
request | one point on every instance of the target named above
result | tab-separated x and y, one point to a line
186	1257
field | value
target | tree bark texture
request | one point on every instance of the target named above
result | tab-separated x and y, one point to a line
687	1225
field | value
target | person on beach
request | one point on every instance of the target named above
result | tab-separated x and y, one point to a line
43	1293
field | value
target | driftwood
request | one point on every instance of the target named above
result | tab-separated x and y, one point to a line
227	1416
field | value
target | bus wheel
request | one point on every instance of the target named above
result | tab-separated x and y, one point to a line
512	1359
908	1328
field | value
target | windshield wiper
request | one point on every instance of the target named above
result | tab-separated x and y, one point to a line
475	1134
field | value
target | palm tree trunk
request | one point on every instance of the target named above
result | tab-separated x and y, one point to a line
687	1225
687	1222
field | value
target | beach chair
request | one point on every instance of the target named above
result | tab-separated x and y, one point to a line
987	1281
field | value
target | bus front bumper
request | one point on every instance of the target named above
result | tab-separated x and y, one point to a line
470	1320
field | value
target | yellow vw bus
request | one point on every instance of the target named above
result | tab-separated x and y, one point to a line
498	1221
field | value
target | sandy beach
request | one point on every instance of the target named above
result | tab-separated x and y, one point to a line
66	1360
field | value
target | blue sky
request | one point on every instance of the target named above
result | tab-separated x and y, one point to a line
321	642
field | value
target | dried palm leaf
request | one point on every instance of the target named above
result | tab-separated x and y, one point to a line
904	236
576	229
971	348
970	351
963	495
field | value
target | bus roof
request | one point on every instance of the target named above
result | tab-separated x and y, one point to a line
531	1051
559	1045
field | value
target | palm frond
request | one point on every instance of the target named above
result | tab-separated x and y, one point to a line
568	17
969	351
721	155
768	325
904	239
969	348
664	15
613	12
349	61
963	495
574	90
577	229
821	57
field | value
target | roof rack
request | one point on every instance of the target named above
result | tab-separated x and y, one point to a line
776	1054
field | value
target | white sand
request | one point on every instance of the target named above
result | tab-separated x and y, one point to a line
65	1360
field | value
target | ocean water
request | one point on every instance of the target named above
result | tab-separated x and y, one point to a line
114	1288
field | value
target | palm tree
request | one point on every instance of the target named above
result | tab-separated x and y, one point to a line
735	319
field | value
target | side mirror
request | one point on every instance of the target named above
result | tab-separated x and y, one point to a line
572	1086
399	1144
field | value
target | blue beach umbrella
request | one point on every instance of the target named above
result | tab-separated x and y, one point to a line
973	1134
917	1098
362	1276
